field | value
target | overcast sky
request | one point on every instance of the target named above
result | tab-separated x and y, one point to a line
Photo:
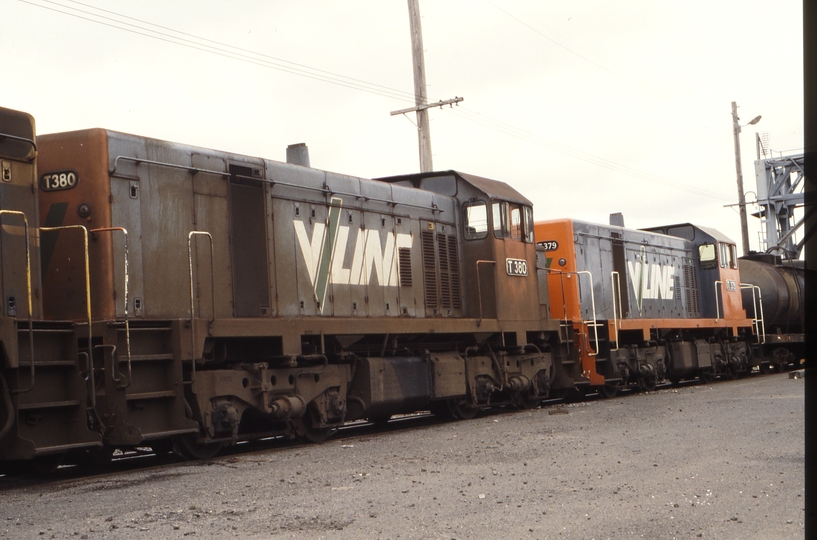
586	107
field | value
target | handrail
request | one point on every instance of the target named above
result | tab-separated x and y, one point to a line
127	326
192	296
717	307
593	308
617	313
87	300
759	324
479	287
28	292
16	138
114	367
564	297
273	183
594	321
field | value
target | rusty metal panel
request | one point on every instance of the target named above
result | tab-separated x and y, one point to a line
248	242
86	204
447	376
704	353
126	212
167	218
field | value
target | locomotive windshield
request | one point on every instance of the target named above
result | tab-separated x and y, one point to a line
512	220
476	220
729	256
707	255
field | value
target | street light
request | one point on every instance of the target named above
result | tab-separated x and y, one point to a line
744	226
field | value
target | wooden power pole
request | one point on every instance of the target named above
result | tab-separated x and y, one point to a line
744	225
420	97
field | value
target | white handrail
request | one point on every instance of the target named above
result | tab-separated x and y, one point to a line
717	307
759	324
617	313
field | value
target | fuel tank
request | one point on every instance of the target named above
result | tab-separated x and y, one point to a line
781	289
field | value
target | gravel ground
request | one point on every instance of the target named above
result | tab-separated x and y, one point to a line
724	460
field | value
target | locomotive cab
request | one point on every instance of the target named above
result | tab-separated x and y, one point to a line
498	252
717	268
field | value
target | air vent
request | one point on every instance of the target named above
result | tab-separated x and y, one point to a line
454	271
429	269
691	289
243	176
404	261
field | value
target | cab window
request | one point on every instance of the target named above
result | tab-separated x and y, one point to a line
513	221
707	256
499	211
528	224
728	255
476	220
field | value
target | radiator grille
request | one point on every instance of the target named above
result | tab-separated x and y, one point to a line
454	270
243	176
404	262
691	290
429	270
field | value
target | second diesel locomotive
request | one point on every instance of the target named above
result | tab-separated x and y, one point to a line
666	302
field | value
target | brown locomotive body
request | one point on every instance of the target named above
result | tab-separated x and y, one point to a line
317	297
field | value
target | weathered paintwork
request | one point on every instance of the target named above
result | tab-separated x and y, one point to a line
626	290
374	277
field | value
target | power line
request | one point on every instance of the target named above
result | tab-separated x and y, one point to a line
170	35
221	49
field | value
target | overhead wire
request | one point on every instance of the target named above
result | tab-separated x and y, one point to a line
220	49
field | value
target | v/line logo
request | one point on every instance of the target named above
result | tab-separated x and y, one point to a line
651	281
373	261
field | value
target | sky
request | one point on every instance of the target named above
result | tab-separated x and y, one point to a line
586	107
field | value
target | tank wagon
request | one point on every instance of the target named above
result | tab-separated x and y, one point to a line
227	297
647	305
778	302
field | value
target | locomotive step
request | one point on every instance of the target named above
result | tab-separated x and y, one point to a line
48	404
146	357
162	394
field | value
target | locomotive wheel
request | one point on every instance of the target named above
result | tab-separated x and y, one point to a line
188	447
732	372
461	409
608	391
647	383
528	402
705	377
309	433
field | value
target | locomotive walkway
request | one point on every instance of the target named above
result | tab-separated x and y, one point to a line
723	460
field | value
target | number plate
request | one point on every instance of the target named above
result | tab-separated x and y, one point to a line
549	245
516	267
59	180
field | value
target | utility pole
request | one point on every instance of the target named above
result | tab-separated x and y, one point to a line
744	226
420	96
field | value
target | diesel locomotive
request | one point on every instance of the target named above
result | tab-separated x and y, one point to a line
199	298
164	295
648	305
